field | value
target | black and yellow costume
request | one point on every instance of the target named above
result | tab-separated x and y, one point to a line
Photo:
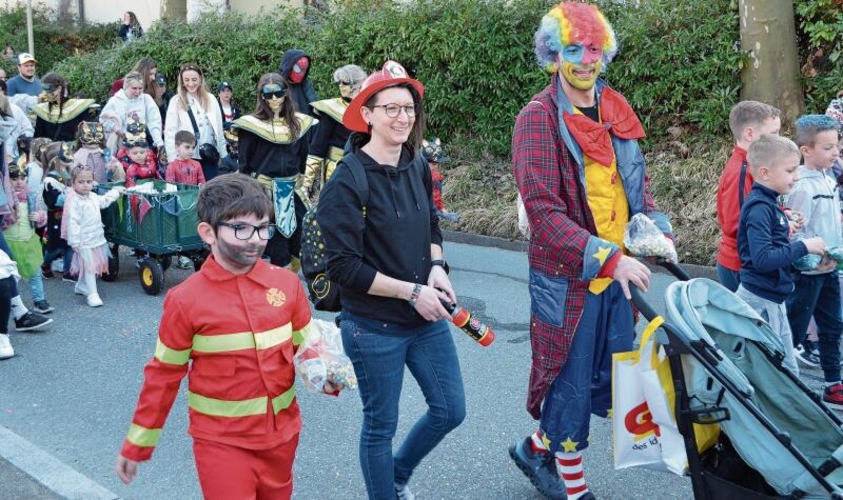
268	153
326	147
58	122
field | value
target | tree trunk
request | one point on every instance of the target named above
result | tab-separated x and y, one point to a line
174	9
768	35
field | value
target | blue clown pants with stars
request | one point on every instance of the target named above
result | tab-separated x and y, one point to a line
584	386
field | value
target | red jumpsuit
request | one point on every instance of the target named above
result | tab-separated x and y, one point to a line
237	334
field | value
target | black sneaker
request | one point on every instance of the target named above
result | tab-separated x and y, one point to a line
70	278
43	307
540	469
47	272
807	356
31	321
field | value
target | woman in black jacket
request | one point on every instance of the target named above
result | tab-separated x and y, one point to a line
384	249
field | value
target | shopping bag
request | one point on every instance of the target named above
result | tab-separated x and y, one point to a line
643	427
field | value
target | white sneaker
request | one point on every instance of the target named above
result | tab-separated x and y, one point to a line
80	289
402	492
94	300
6	350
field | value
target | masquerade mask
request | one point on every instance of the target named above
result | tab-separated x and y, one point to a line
66	152
135	134
90	133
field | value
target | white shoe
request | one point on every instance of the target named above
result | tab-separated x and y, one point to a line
80	289
94	300
6	350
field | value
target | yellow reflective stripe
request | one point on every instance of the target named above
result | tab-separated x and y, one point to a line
165	354
284	401
272	338
243	408
300	335
242	340
141	436
223	343
220	408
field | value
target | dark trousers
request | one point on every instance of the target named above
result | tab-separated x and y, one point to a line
818	295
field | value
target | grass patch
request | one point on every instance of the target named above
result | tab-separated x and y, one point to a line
481	188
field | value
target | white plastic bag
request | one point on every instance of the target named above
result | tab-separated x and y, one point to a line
644	239
320	358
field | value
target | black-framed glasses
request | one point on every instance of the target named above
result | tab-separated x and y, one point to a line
393	110
243	231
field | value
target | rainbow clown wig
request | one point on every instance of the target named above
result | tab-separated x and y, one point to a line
573	22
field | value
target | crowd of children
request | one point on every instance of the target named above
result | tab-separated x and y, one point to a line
779	201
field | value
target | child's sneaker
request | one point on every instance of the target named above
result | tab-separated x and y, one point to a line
6	350
540	469
70	278
31	321
808	357
183	262
80	289
47	272
94	300
833	396
43	307
402	492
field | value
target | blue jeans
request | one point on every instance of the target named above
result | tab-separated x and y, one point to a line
818	295
36	286
53	254
584	386
379	359
728	278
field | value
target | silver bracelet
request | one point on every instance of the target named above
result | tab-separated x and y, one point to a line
414	296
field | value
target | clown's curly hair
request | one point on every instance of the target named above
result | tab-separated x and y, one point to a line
573	22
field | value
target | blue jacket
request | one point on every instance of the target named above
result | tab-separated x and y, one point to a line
765	250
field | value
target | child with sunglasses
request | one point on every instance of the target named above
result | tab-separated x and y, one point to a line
273	148
82	227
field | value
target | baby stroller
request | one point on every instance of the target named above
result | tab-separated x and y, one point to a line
777	440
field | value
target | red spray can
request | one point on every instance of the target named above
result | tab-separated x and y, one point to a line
470	324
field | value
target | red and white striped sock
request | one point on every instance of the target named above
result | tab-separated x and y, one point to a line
536	443
569	466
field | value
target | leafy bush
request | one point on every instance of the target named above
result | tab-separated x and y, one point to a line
821	47
53	42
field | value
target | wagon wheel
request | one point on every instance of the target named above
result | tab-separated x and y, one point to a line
151	276
113	264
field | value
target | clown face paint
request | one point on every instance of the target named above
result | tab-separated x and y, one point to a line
580	64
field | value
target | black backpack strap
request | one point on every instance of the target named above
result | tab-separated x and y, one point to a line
358	171
741	184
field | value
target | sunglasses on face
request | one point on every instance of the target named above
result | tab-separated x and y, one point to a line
273	91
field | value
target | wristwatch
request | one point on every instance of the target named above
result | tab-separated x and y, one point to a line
441	263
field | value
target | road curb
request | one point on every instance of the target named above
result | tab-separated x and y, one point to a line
694	270
50	472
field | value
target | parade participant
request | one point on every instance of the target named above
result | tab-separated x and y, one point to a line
8	273
184	169
57	166
135	156
58	116
245	424
194	109
82	227
326	147
432	151
388	262
272	147
581	175
294	68
229	109
131	104
19	125
91	139
20	232
26	82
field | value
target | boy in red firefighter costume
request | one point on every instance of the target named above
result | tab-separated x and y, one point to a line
237	311
581	174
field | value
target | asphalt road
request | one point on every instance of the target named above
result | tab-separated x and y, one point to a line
71	392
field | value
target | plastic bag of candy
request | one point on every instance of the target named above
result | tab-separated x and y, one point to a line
320	359
808	262
644	239
835	253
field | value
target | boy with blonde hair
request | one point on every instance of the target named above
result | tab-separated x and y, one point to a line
766	251
817	291
748	120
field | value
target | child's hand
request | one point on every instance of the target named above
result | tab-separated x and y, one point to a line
827	264
815	245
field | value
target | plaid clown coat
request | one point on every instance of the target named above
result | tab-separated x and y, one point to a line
564	251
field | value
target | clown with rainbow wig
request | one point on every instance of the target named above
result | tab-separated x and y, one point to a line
581	175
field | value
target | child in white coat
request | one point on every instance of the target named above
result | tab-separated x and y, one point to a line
84	231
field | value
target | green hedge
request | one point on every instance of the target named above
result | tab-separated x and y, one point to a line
820	24
53	41
475	57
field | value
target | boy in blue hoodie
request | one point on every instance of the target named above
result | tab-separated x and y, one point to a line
817	291
763	237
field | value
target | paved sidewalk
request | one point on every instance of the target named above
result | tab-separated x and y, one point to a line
28	472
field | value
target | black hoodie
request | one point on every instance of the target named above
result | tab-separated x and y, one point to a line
302	93
394	238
